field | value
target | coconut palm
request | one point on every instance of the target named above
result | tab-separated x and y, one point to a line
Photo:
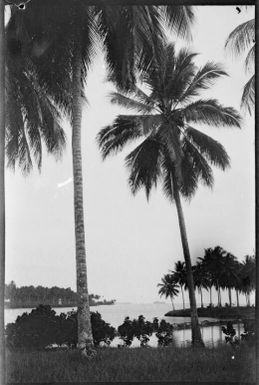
200	279
48	31
168	288
172	150
241	39
179	274
248	276
229	277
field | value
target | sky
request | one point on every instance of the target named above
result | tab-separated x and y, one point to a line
132	243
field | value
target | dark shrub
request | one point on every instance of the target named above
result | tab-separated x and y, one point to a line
42	327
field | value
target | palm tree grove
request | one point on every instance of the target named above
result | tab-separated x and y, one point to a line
99	102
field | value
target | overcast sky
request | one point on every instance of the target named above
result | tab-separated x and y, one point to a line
131	243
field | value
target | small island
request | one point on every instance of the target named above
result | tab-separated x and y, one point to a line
227	312
31	296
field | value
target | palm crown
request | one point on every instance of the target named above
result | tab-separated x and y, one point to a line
172	150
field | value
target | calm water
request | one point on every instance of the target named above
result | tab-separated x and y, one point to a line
115	314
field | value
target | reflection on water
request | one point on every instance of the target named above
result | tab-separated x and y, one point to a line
115	315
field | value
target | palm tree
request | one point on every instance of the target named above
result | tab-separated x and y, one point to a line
48	31
213	264
168	288
248	276
172	151
229	273
179	274
200	279
241	39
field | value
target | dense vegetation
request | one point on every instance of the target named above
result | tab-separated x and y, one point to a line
30	296
43	327
218	269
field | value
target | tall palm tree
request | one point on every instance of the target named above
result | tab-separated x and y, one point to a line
179	274
229	274
168	288
241	39
49	31
172	150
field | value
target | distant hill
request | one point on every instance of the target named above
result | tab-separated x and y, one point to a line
31	296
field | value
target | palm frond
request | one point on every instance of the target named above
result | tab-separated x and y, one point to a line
242	37
250	59
212	113
212	150
248	96
180	19
201	168
190	178
128	102
202	80
144	165
124	129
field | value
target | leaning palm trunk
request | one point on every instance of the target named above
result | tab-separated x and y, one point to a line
2	192
85	337
196	332
183	296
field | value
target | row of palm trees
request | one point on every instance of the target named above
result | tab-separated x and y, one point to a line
217	269
49	47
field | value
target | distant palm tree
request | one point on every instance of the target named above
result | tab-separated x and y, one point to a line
168	288
229	273
200	279
172	151
179	274
248	276
241	39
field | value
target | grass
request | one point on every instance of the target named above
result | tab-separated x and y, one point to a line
135	364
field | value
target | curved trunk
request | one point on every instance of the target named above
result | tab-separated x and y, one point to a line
2	192
183	296
196	332
85	337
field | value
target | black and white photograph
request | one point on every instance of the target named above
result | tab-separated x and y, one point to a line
127	192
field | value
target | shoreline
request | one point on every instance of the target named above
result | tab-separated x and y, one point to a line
222	313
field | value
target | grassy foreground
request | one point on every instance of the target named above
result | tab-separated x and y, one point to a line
219	364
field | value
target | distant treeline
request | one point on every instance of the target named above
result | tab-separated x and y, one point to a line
30	296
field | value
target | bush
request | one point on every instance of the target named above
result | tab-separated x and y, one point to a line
42	327
142	330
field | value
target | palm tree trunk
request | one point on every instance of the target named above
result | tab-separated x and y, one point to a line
237	298
2	191
183	297
229	297
85	337
248	299
201	298
219	297
172	303
196	332
210	296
